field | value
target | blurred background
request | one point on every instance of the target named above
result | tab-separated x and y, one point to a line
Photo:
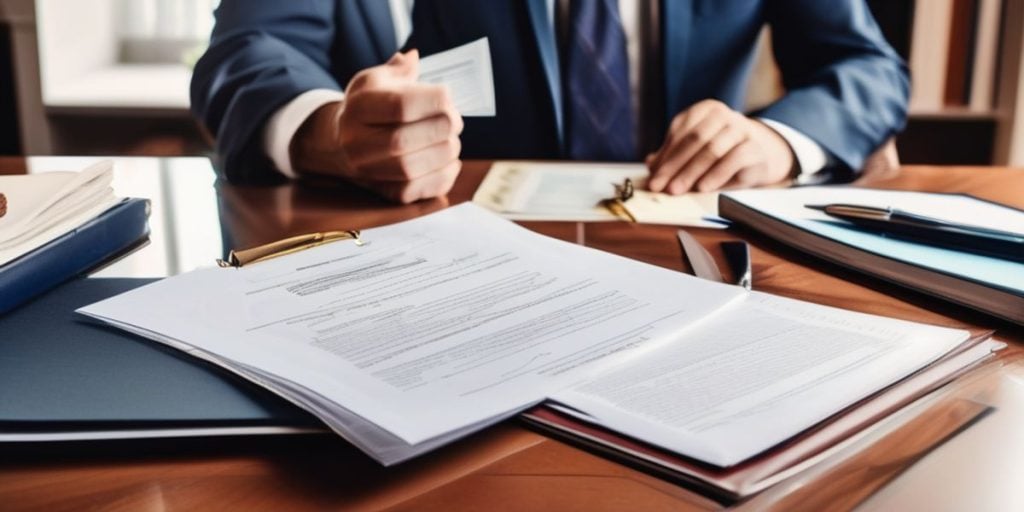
110	77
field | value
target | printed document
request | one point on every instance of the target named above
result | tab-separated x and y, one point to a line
442	325
574	192
435	324
467	72
745	382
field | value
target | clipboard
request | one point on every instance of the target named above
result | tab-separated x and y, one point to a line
239	258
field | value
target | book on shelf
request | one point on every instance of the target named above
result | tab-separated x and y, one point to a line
954	53
986	56
929	49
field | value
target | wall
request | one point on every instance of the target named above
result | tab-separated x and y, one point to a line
76	37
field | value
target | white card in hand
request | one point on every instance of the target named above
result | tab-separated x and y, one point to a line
466	70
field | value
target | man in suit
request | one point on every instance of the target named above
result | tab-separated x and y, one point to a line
579	79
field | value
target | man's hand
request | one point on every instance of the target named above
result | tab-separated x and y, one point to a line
710	146
390	134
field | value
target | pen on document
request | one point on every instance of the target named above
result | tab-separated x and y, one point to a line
930	230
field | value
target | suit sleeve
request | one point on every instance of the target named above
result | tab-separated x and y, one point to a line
847	89
262	54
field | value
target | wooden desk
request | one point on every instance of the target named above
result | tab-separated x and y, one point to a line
507	467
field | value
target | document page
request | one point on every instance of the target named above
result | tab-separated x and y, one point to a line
760	373
548	191
467	72
431	326
574	192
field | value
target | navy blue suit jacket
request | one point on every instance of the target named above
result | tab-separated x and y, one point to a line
846	88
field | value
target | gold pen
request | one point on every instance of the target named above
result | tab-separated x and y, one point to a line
617	204
241	258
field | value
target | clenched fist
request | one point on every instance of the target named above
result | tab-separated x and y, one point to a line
710	146
391	134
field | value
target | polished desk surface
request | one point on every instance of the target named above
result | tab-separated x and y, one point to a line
195	219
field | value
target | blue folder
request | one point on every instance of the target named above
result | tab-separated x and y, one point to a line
103	239
63	378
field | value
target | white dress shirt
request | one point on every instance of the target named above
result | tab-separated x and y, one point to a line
285	122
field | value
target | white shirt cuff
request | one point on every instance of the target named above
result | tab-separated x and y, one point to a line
282	125
810	156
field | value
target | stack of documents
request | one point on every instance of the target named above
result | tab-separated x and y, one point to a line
440	326
826	441
60	224
42	207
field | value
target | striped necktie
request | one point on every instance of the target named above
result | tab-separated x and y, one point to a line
598	113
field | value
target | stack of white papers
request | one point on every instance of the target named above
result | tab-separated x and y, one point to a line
42	207
445	324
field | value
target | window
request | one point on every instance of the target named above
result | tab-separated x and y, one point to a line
121	54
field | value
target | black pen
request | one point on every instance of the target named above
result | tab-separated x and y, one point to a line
930	230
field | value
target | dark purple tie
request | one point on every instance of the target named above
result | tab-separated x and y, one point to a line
598	114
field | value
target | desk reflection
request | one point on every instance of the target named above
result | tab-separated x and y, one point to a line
197	218
254	215
185	230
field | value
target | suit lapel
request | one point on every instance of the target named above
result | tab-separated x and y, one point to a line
377	16
677	26
544	34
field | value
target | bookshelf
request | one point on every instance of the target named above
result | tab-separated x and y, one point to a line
81	88
1009	143
965	59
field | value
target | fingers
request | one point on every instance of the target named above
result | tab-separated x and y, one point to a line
399	137
679	173
401	67
710	146
434	184
688	133
720	145
747	177
389	94
398	134
379	142
684	146
400	103
413	165
737	168
686	122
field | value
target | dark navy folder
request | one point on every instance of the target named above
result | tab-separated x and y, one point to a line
62	378
110	235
